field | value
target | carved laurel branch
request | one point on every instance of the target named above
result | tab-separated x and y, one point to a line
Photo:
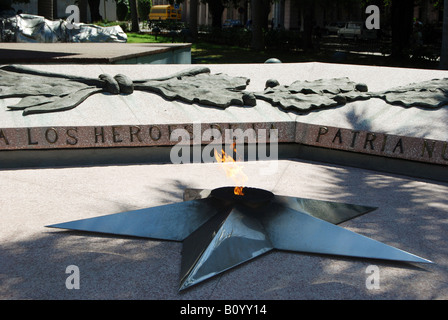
44	92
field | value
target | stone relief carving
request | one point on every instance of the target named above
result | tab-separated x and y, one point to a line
426	94
308	95
44	92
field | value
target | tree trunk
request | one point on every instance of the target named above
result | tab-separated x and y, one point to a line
194	19
216	9
266	8
444	53
402	19
245	13
134	17
308	17
94	6
257	28
82	10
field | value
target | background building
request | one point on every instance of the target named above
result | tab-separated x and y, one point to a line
108	8
287	14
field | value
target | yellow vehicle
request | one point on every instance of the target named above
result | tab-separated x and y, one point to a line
165	12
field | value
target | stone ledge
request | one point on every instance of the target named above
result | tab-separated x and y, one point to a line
373	143
363	133
157	135
83	53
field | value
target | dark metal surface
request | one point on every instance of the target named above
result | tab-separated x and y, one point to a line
169	222
334	212
252	197
225	241
220	230
293	230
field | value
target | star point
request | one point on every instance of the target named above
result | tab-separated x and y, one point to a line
220	230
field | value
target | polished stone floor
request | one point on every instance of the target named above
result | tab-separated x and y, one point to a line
411	215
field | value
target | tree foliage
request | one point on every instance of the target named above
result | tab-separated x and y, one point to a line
260	12
122	10
6	4
144	8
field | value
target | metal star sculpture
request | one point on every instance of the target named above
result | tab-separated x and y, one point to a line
221	230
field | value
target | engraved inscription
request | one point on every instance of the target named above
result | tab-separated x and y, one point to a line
381	144
3	137
374	143
51	135
71	136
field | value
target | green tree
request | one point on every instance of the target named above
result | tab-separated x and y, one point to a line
308	18
122	9
128	6
134	16
306	12
6	4
194	19
216	8
144	8
94	6
402	18
260	11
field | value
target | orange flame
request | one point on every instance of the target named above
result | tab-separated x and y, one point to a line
233	171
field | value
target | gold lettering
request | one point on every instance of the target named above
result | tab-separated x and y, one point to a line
30	142
428	148
75	139
51	138
2	136
322	131
135	133
99	134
